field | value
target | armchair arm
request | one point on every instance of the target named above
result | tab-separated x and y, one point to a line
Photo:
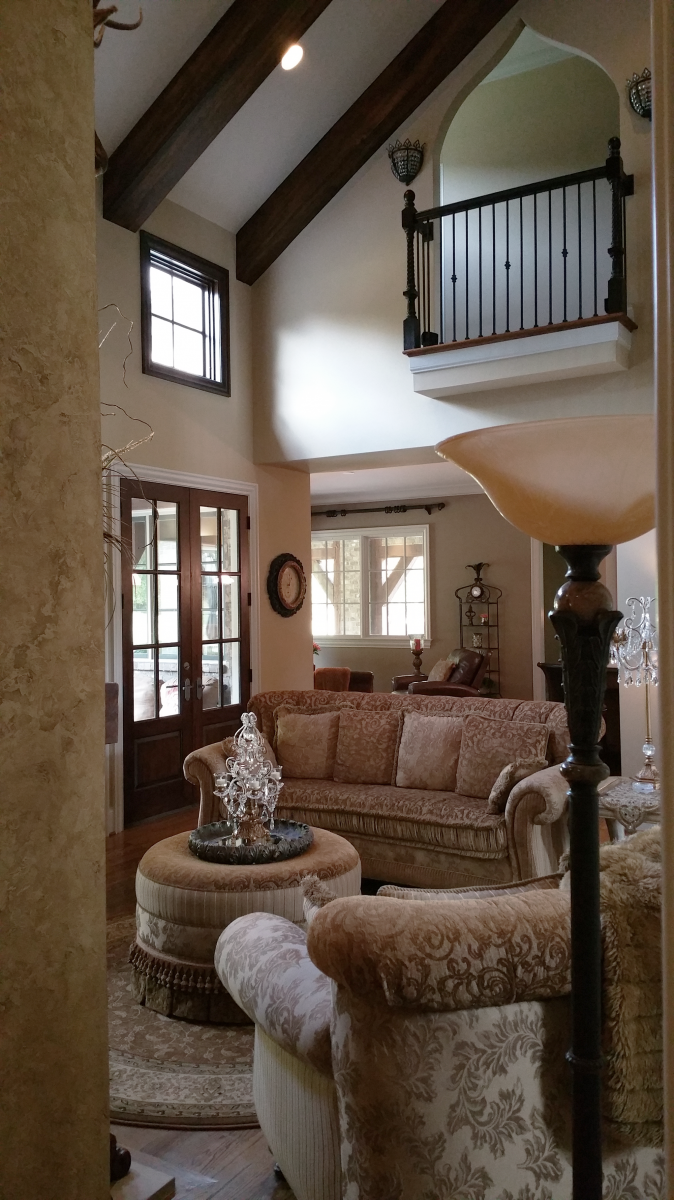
446	956
537	823
442	689
263	962
400	683
202	765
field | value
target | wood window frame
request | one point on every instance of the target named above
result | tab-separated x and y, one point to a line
214	275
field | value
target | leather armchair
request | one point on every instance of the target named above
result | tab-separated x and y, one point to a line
464	680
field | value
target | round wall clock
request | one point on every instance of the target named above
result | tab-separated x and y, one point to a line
286	585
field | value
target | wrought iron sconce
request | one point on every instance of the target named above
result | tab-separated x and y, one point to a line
639	93
407	159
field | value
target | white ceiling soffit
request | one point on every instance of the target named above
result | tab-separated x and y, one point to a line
528	52
423	481
344	51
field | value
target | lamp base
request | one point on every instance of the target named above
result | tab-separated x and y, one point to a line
648	778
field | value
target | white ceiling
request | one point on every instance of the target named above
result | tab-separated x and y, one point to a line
421	481
344	51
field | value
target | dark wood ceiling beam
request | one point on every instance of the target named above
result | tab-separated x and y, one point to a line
226	68
439	46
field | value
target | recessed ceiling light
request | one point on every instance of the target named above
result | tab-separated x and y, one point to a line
292	57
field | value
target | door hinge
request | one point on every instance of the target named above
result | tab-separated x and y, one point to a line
247	522
250	674
250	599
122	599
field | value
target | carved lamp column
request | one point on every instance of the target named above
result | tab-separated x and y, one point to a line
580	484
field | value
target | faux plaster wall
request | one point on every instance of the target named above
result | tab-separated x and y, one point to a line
468	529
53	1102
330	377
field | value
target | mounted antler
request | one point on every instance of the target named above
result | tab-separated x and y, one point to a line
102	20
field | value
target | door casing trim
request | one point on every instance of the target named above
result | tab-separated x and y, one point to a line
113	642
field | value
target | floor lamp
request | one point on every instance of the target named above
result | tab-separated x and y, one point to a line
582	485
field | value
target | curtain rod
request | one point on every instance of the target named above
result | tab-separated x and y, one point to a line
389	508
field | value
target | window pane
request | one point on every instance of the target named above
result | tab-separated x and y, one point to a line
231	673
396	620
162	342
167	534
352	619
209	607
210	676
169	682
160	293
167	616
188	351
230	539
209	538
415	619
144	702
230	606
143	609
141	533
188	303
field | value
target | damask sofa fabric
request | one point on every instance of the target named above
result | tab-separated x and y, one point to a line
366	747
421	836
511	774
305	744
487	746
429	752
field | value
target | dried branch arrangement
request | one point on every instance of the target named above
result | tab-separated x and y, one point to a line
102	21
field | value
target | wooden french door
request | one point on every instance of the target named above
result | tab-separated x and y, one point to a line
185	634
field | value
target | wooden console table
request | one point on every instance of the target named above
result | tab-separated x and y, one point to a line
610	743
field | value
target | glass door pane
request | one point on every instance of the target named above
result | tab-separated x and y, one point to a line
156	601
220	607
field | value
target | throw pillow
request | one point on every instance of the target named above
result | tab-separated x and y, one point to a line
513	773
488	745
305	743
366	747
441	671
429	752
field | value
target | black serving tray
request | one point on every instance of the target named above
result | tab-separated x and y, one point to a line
288	839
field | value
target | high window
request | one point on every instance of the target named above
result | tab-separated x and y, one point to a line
370	585
185	316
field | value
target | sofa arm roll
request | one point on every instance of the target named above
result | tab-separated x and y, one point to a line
550	787
448	955
263	962
201	767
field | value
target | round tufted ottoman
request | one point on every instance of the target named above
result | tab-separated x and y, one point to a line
183	904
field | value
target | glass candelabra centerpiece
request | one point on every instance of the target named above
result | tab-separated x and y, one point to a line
634	651
248	792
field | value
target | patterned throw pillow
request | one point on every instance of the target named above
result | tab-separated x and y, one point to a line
429	752
441	672
488	745
306	743
513	773
366	747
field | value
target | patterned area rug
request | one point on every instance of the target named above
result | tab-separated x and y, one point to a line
172	1074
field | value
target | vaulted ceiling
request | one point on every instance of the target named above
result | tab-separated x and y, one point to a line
270	120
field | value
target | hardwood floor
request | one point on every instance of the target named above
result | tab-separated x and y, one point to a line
207	1165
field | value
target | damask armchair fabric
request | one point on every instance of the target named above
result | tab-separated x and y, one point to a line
447	1024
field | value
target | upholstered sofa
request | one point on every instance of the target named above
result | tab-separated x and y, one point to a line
415	1048
422	836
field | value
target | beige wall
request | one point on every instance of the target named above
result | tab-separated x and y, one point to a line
54	1102
330	376
286	659
468	529
550	121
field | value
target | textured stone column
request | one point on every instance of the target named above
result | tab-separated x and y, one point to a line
53	1094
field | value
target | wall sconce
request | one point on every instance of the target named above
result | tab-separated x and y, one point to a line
639	93
407	160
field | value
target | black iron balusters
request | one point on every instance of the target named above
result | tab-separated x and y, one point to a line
468	268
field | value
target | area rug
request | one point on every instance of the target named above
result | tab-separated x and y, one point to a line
172	1074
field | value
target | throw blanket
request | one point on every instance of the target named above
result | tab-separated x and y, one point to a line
631	925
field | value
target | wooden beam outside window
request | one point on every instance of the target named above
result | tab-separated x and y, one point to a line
432	54
241	50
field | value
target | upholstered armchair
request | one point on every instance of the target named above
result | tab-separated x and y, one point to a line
414	1048
466	670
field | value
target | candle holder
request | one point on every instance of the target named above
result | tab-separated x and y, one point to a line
417	650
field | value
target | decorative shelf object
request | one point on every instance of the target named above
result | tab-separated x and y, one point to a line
479	624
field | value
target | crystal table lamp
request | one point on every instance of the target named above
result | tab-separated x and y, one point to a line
580	484
634	651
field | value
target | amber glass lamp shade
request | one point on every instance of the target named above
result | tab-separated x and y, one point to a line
576	481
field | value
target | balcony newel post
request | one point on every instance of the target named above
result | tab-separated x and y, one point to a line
621	185
411	326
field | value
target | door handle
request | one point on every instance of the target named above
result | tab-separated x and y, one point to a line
200	689
187	689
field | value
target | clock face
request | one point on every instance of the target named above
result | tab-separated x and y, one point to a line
290	585
476	591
